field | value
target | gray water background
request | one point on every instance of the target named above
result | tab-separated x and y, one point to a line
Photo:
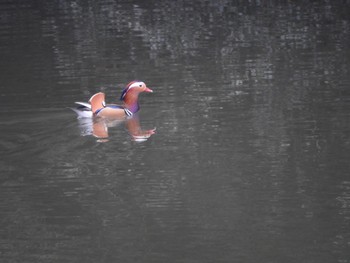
250	162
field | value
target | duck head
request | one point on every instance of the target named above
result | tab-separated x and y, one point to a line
131	93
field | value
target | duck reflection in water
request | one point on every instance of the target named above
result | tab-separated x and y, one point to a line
96	117
98	127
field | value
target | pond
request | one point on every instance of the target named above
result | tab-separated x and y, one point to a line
249	161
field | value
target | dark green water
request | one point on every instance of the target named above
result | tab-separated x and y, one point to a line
250	162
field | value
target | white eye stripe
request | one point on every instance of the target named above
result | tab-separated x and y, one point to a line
136	84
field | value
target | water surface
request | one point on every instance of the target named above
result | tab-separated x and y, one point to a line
250	159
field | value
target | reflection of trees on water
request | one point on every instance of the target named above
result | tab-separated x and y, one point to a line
223	32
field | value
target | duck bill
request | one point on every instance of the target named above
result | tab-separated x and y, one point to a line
148	90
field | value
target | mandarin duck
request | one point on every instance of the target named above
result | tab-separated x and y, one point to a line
98	108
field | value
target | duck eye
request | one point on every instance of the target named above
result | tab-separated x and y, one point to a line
140	85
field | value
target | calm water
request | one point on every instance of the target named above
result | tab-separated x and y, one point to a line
250	162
